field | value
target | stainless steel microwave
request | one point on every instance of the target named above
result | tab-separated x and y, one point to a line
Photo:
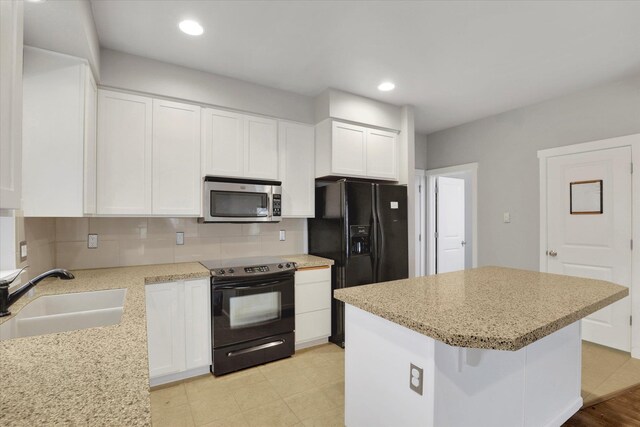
241	200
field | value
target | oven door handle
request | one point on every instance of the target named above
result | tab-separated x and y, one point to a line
259	285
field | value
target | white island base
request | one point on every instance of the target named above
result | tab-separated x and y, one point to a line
538	385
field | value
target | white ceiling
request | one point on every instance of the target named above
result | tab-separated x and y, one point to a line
454	61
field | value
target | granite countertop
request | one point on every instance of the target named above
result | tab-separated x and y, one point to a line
490	307
96	376
307	261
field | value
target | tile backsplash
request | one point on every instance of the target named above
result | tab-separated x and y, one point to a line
138	241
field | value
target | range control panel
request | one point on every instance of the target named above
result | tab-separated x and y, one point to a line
253	270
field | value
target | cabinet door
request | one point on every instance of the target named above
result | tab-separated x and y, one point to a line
11	27
348	149
197	312
124	153
382	156
176	158
297	161
165	328
261	148
222	143
90	139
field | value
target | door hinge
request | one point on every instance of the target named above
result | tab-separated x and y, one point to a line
435	234
630	320
436	190
420	188
419	237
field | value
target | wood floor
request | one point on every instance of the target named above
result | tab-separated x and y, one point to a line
622	410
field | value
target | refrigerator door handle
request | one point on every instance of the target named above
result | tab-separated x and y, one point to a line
380	237
375	256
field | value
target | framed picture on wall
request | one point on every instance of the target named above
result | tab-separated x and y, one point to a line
585	197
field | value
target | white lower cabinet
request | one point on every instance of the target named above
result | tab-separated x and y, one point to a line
313	306
178	330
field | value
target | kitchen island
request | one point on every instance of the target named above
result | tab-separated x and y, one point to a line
484	347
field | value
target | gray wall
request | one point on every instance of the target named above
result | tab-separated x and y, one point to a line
505	147
421	151
131	72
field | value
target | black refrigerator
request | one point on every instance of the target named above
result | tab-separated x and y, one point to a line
362	226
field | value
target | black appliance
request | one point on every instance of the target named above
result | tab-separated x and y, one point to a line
362	226
252	312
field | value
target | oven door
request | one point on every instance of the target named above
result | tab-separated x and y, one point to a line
249	309
237	202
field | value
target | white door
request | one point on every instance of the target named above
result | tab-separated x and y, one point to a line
176	158
348	148
222	143
296	150
165	328
382	159
261	147
197	322
596	244
449	224
124	153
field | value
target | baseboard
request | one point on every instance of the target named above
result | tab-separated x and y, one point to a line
179	376
562	417
311	343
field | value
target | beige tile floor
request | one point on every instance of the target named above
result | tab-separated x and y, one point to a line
606	371
308	390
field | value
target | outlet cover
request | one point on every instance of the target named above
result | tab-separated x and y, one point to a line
283	235
92	241
416	379
506	217
180	238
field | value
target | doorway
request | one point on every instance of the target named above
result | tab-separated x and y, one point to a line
451	218
588	219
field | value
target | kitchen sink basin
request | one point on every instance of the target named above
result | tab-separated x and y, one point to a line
66	312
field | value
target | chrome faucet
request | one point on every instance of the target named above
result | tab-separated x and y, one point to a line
8	298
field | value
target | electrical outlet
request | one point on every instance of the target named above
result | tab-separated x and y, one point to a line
283	235
416	379
92	241
180	238
23	251
506	217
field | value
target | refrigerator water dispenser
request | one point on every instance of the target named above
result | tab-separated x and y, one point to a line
360	241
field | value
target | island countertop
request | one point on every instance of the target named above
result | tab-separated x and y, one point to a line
489	307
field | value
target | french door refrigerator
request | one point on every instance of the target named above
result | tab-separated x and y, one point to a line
362	226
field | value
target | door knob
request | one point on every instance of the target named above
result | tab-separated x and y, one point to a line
463	243
552	253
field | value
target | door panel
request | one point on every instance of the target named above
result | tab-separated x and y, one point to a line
450	224
176	158
222	143
382	161
261	148
595	246
393	246
124	153
348	149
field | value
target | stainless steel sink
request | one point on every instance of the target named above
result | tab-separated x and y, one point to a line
66	312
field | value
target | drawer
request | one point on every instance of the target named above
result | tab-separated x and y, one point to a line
313	296
315	275
312	326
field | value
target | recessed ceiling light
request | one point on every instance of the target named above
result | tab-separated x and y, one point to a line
36	1
386	86
191	27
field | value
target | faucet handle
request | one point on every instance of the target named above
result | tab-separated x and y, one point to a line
11	278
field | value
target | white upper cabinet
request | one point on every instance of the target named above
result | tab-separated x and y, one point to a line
382	156
124	153
238	145
176	158
296	148
348	149
222	143
11	30
59	135
261	147
344	149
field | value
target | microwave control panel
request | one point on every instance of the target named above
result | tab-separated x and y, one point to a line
277	205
